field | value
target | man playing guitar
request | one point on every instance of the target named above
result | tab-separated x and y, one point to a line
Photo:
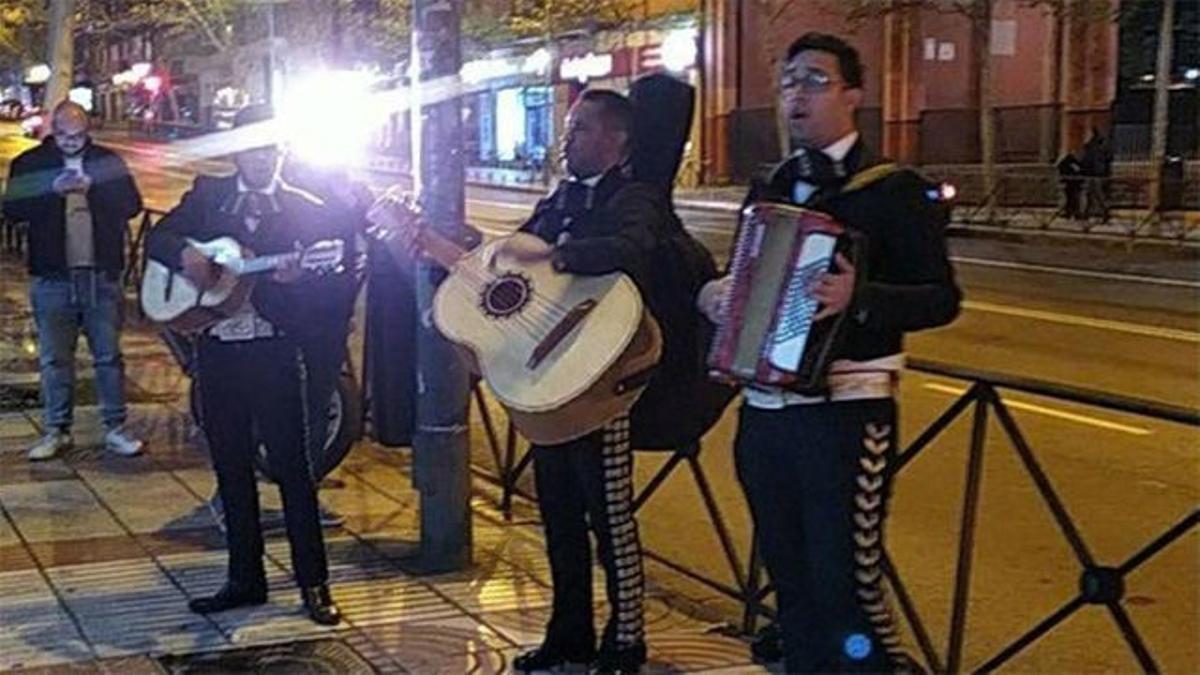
600	221
252	372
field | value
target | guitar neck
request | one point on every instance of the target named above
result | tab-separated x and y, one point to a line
266	263
443	250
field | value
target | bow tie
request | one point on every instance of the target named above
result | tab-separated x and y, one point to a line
816	167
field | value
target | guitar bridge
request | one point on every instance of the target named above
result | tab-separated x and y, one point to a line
559	333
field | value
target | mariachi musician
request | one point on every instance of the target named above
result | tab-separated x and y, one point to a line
252	364
817	469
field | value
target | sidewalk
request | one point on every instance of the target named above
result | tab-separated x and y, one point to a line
99	555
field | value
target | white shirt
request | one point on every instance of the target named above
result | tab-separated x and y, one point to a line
80	242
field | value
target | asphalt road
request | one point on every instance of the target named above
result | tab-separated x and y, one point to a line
1122	478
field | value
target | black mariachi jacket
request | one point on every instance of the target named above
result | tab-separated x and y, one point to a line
613	227
314	310
113	199
909	282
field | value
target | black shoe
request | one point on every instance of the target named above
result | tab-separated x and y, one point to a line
320	605
767	646
548	657
230	596
622	661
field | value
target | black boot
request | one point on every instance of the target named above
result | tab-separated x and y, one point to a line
230	596
623	660
320	605
552	657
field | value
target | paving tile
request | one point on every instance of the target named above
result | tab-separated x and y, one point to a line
16	432
8	536
356	498
14	557
15	468
147	501
56	510
504	588
105	548
434	648
199	480
132	607
35	630
281	619
698	651
174	541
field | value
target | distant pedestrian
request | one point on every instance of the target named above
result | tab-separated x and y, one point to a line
1097	169
77	198
1070	175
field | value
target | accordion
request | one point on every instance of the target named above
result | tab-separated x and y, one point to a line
769	336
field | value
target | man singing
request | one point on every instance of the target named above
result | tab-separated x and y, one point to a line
817	471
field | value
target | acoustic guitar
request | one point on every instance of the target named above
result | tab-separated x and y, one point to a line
564	354
170	298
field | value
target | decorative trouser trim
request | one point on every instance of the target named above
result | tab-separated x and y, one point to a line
870	509
623	533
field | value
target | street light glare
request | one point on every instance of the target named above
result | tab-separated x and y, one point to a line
328	116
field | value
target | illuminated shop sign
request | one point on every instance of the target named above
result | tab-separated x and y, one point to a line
588	67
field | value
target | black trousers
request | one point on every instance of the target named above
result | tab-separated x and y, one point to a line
258	385
585	482
818	478
322	367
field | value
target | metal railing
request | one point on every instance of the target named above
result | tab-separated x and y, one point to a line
1100	583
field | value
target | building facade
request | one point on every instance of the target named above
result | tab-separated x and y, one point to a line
1052	79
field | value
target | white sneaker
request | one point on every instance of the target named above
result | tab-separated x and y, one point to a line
120	443
51	444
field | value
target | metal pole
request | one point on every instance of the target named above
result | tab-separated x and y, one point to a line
441	446
271	53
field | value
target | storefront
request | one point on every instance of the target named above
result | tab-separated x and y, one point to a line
517	101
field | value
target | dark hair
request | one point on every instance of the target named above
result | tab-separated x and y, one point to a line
616	110
848	61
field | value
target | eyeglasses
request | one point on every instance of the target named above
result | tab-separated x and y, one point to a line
808	82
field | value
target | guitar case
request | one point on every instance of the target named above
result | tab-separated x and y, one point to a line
680	403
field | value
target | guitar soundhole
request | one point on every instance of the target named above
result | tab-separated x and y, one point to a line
506	295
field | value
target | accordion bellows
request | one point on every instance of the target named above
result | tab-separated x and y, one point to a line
769	336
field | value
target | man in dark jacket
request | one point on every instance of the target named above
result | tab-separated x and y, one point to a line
77	198
600	222
251	364
817	470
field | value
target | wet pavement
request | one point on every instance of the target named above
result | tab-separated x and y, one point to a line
99	554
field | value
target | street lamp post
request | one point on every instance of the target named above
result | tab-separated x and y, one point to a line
441	445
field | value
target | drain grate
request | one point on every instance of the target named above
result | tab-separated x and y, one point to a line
319	657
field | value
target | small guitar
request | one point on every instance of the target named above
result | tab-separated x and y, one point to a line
169	297
564	354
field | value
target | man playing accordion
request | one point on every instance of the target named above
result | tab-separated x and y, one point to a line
817	467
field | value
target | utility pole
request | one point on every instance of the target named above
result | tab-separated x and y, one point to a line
441	445
62	53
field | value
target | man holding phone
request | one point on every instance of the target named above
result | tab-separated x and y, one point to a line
77	198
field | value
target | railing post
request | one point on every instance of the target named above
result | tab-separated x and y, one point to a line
984	395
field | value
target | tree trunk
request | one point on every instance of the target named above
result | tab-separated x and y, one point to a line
1162	102
441	446
61	41
987	127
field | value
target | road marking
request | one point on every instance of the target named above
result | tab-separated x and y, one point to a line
1048	412
1076	272
1175	334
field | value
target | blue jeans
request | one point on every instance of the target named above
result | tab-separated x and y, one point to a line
89	300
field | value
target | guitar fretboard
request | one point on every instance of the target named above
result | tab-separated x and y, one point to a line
265	263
